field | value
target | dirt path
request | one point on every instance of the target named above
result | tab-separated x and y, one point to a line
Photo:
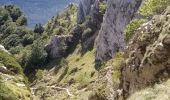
67	90
112	92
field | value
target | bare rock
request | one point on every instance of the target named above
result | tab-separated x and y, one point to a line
111	37
58	45
84	9
148	60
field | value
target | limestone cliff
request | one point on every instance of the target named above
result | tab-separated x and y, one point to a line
90	16
84	9
111	37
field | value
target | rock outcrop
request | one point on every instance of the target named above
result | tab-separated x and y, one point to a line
90	17
111	37
3	49
84	9
58	45
149	58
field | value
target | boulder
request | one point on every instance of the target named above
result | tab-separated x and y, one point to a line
58	45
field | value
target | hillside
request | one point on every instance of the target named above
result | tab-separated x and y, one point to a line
98	50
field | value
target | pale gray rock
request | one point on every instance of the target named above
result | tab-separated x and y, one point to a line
84	9
148	55
111	37
58	45
3	49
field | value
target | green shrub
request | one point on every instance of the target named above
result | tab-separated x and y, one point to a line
8	29
39	74
21	21
10	62
102	7
16	50
132	27
38	28
86	33
14	12
63	23
4	16
11	41
58	31
37	56
6	93
27	39
151	7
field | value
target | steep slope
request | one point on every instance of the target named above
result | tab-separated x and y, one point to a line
148	53
66	68
13	84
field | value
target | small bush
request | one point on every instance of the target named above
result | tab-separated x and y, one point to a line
10	62
11	41
38	28
151	7
37	56
87	31
16	50
102	7
8	29
4	16
14	12
132	27
21	21
27	39
39	74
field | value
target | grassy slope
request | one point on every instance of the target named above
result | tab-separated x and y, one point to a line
10	85
80	69
157	92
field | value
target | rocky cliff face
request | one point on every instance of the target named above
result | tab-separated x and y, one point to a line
57	47
89	18
84	9
111	37
149	56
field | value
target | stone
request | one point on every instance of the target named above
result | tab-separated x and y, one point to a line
57	47
84	9
3	49
111	37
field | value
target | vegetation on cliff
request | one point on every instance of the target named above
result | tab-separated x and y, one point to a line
13	83
59	57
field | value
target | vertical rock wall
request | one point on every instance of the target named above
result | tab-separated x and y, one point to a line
111	37
84	9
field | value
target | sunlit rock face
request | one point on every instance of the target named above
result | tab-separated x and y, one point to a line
148	55
111	37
